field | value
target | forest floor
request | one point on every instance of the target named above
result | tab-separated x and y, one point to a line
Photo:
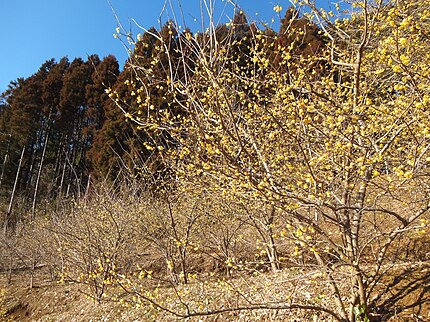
50	301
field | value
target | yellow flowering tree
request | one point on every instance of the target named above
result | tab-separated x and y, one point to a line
337	141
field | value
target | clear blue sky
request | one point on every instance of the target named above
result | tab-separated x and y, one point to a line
34	31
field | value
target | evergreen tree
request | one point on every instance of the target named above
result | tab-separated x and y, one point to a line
103	78
28	122
52	87
71	119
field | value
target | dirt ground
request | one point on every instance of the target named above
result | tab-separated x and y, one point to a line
50	301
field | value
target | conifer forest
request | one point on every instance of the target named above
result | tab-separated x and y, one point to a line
240	173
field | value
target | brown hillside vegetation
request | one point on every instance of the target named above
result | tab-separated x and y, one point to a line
263	176
49	301
109	259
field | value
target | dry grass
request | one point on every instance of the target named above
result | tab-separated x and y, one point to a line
406	295
225	265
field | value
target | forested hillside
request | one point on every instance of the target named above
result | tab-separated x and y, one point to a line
49	123
64	125
240	173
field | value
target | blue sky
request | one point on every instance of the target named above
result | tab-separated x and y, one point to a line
37	30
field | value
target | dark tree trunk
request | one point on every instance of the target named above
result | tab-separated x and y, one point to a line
5	160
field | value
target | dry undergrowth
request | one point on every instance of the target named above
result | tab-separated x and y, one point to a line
77	246
405	295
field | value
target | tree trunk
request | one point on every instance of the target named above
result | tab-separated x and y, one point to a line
53	190
272	252
39	172
6	157
10	223
63	172
28	174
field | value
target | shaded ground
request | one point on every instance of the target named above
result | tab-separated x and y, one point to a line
405	295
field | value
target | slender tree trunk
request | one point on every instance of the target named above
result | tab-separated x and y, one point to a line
264	227
9	273
29	173
72	171
39	172
183	254
9	223
6	157
272	252
87	189
53	193
63	175
226	251
3	167
63	171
